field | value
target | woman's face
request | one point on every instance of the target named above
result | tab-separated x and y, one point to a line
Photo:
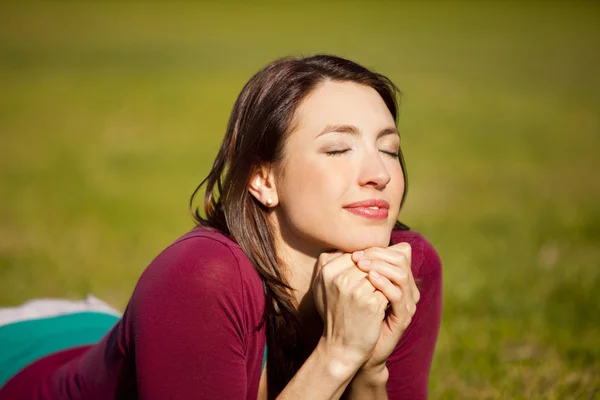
340	182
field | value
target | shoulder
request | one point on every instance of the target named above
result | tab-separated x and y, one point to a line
202	260
425	259
202	250
202	272
206	242
197	304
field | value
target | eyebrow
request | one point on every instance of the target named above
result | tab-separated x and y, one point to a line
353	130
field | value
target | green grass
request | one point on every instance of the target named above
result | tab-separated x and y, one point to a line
111	114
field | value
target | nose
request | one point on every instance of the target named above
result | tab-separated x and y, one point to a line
373	171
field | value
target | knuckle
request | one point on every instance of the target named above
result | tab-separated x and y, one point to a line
370	302
323	258
355	295
417	295
402	259
327	273
402	276
405	250
339	281
403	246
412	309
373	305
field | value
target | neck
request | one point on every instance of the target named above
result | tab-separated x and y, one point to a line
299	268
299	258
299	271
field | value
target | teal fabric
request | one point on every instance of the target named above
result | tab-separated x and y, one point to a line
262	368
26	341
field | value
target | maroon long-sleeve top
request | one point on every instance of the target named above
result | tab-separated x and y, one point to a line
188	332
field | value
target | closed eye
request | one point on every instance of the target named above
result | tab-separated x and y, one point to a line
336	152
392	154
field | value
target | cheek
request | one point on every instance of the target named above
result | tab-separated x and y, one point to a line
399	182
308	185
397	175
396	186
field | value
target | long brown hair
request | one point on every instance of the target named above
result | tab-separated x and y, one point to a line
256	135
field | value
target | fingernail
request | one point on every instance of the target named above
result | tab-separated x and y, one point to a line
363	262
358	254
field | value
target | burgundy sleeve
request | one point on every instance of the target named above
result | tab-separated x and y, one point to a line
410	362
187	320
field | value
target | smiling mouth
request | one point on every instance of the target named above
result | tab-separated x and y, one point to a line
369	212
371	209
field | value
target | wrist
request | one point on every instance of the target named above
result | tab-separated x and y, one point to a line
373	376
369	384
338	363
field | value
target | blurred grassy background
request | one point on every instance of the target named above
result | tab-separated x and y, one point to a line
111	114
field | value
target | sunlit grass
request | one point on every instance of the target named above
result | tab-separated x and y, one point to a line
110	116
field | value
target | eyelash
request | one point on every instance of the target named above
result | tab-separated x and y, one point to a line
334	153
391	154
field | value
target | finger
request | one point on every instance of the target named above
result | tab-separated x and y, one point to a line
364	286
355	279
381	299
332	264
402	308
343	275
398	276
406	249
356	291
366	293
399	256
392	292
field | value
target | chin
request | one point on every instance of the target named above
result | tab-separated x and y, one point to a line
363	241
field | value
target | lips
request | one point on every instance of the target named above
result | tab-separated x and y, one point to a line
371	209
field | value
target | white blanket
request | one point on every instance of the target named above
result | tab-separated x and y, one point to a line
44	308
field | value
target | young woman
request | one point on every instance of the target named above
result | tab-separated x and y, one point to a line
298	283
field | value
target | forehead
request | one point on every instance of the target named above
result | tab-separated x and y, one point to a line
343	103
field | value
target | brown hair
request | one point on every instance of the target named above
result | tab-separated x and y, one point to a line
256	135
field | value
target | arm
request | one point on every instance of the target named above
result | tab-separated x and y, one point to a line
369	385
405	373
352	315
189	329
410	362
322	376
188	325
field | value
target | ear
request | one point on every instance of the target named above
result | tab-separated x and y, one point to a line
262	186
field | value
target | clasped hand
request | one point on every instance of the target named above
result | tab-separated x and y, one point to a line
366	300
